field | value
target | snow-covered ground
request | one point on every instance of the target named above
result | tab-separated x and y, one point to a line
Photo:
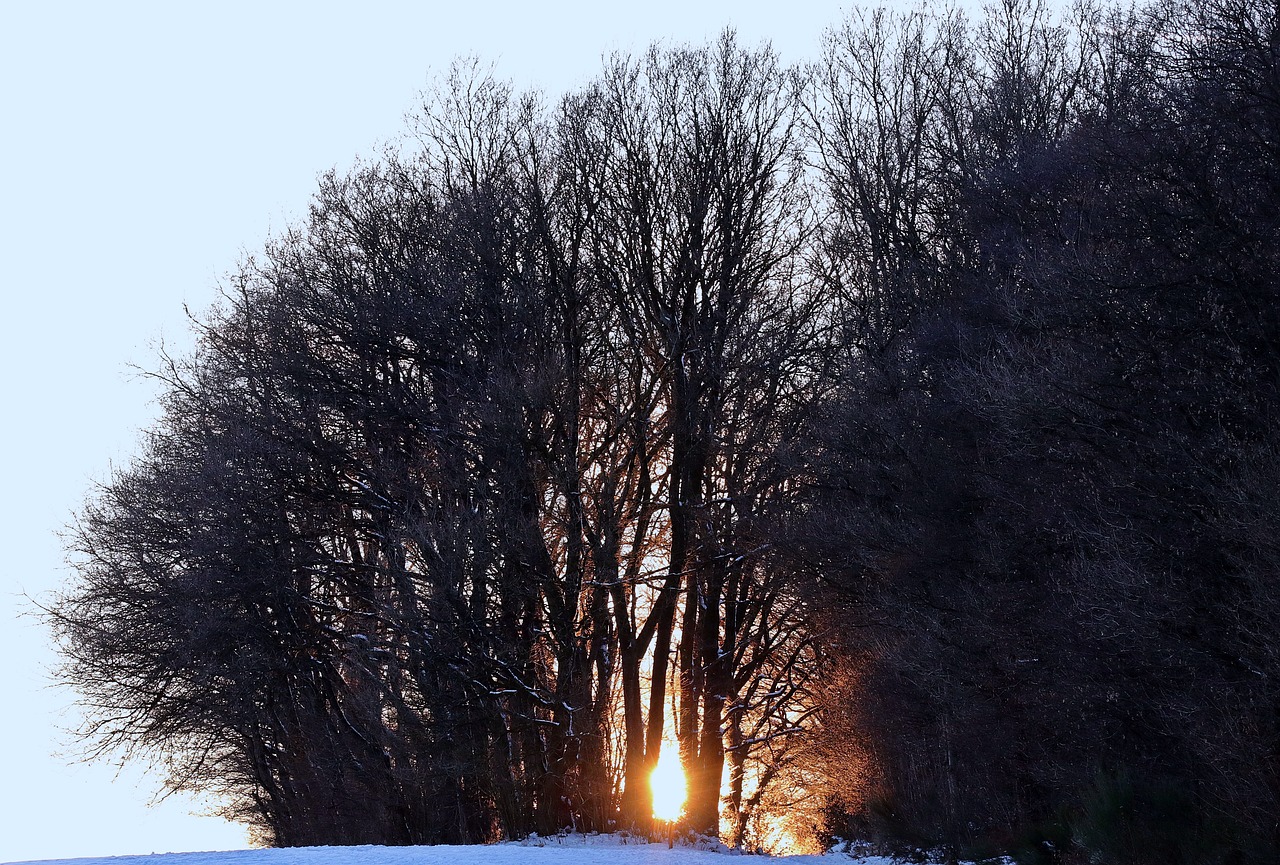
568	850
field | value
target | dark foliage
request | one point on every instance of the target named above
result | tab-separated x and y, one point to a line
460	499
1030	492
954	356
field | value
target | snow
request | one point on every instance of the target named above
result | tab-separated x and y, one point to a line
554	850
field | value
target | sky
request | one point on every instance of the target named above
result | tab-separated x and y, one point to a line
144	149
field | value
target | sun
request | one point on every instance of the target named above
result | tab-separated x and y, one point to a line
668	786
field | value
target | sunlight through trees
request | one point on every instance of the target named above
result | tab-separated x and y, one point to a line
882	448
669	786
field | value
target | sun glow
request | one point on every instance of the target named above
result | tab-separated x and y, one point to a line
668	785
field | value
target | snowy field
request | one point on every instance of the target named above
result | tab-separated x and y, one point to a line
570	850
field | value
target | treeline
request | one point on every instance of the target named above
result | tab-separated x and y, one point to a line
465	485
892	435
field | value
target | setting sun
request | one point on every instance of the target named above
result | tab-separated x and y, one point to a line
668	785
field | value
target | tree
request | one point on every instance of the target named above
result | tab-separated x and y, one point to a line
1019	503
895	437
691	172
473	458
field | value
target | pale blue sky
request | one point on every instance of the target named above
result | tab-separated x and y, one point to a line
144	147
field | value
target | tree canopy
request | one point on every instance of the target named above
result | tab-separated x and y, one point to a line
891	436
